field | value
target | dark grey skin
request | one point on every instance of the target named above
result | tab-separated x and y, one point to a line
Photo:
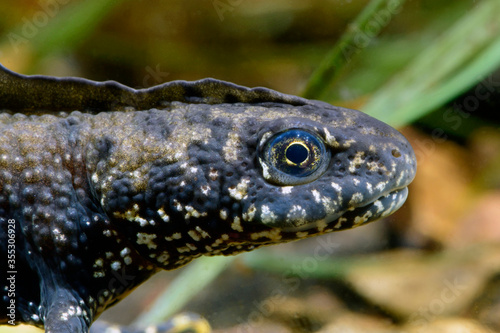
136	181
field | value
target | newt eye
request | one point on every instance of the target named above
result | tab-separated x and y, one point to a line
294	157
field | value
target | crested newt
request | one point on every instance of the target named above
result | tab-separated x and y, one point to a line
102	185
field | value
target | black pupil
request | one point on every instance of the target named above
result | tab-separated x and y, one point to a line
296	153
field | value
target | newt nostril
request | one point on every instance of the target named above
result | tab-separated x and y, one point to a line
396	153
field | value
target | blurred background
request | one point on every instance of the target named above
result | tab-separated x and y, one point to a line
428	67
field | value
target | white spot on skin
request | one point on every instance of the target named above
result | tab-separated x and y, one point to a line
356	181
191	212
264	138
131	215
146	239
116	265
374	166
356	199
163	215
357	161
339	222
58	236
219	241
236	225
213	174
98	263
178	156
194	235
137	174
231	147
286	189
321	226
250	213
240	191
203	233
273	235
389	210
140	220
348	143
330	205
223	214
183	249
266	215
301	234
369	188
379	205
380	186
205	189
358	220
400	178
296	216
163	258
330	139
99	274
265	169
72	311
338	188
177	205
316	195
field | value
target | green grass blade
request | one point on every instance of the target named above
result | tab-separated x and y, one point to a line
58	27
358	35
457	60
190	281
332	268
72	25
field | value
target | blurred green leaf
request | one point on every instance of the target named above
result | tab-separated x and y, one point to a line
190	282
367	25
69	27
57	27
454	62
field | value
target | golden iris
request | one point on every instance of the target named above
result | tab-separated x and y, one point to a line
295	152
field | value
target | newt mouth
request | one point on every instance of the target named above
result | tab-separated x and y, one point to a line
352	217
377	209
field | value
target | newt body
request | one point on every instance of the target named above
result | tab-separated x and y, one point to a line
105	185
